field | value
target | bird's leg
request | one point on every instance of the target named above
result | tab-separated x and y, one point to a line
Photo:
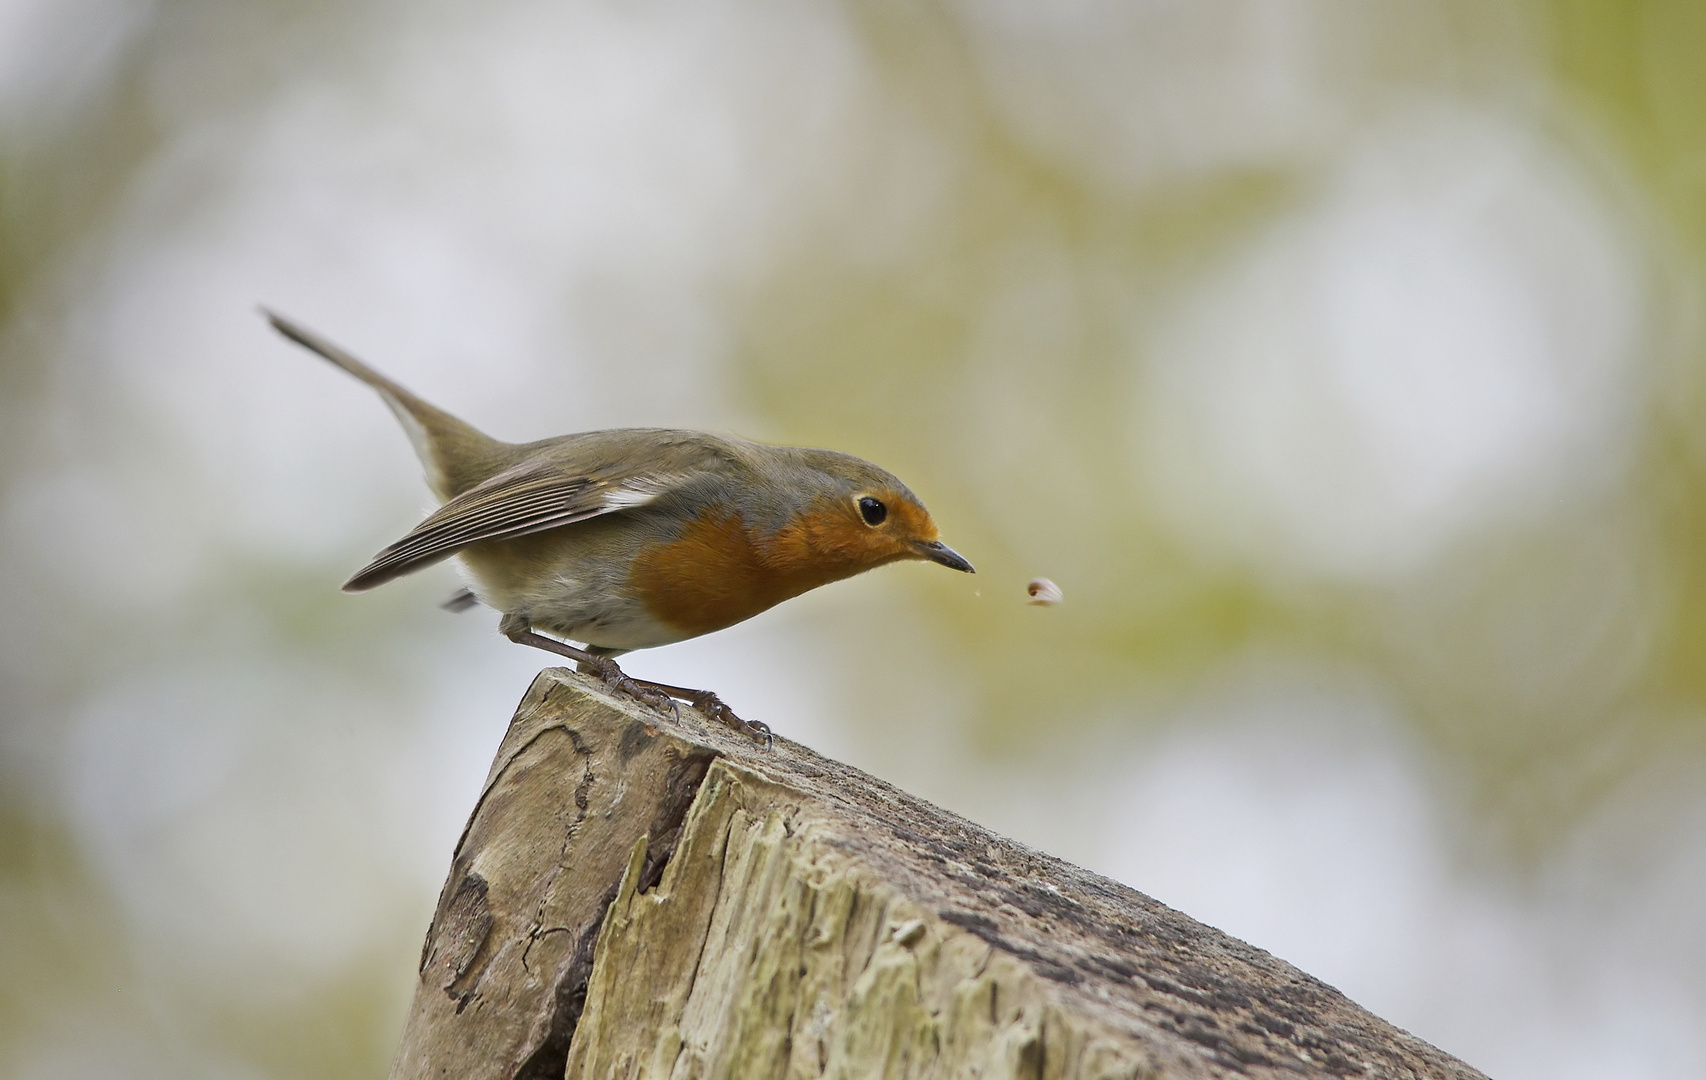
604	667
714	709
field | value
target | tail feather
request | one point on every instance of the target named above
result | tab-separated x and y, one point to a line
455	455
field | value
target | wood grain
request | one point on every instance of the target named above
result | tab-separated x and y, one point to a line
635	897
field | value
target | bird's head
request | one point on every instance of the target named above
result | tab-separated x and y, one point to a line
858	516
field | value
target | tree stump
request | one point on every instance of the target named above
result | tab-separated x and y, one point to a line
637	897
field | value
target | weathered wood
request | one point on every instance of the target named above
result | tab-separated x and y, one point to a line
635	897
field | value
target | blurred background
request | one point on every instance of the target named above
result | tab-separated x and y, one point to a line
1342	363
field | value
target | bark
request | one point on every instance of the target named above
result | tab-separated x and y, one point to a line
636	897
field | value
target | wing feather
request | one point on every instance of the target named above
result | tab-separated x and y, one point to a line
527	499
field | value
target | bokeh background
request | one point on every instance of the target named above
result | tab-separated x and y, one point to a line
1342	362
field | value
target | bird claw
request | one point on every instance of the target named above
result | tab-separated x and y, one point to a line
658	695
714	709
616	680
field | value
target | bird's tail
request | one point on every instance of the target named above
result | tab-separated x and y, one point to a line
455	455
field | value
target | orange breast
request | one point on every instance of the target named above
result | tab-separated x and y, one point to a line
715	575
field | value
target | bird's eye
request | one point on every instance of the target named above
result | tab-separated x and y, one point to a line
872	510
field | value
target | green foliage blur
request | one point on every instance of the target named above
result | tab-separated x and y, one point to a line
979	338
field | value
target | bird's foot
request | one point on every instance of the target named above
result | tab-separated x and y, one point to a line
616	680
714	709
655	694
607	670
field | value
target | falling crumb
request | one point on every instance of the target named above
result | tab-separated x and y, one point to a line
1043	592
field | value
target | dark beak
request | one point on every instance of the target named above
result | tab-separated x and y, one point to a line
936	551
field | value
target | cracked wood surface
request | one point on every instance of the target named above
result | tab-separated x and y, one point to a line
634	897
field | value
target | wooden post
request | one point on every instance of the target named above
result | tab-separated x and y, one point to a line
635	897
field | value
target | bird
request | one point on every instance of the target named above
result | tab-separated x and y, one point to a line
595	544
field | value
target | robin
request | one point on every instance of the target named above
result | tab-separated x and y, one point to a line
632	538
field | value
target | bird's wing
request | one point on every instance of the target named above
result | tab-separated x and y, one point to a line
529	498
